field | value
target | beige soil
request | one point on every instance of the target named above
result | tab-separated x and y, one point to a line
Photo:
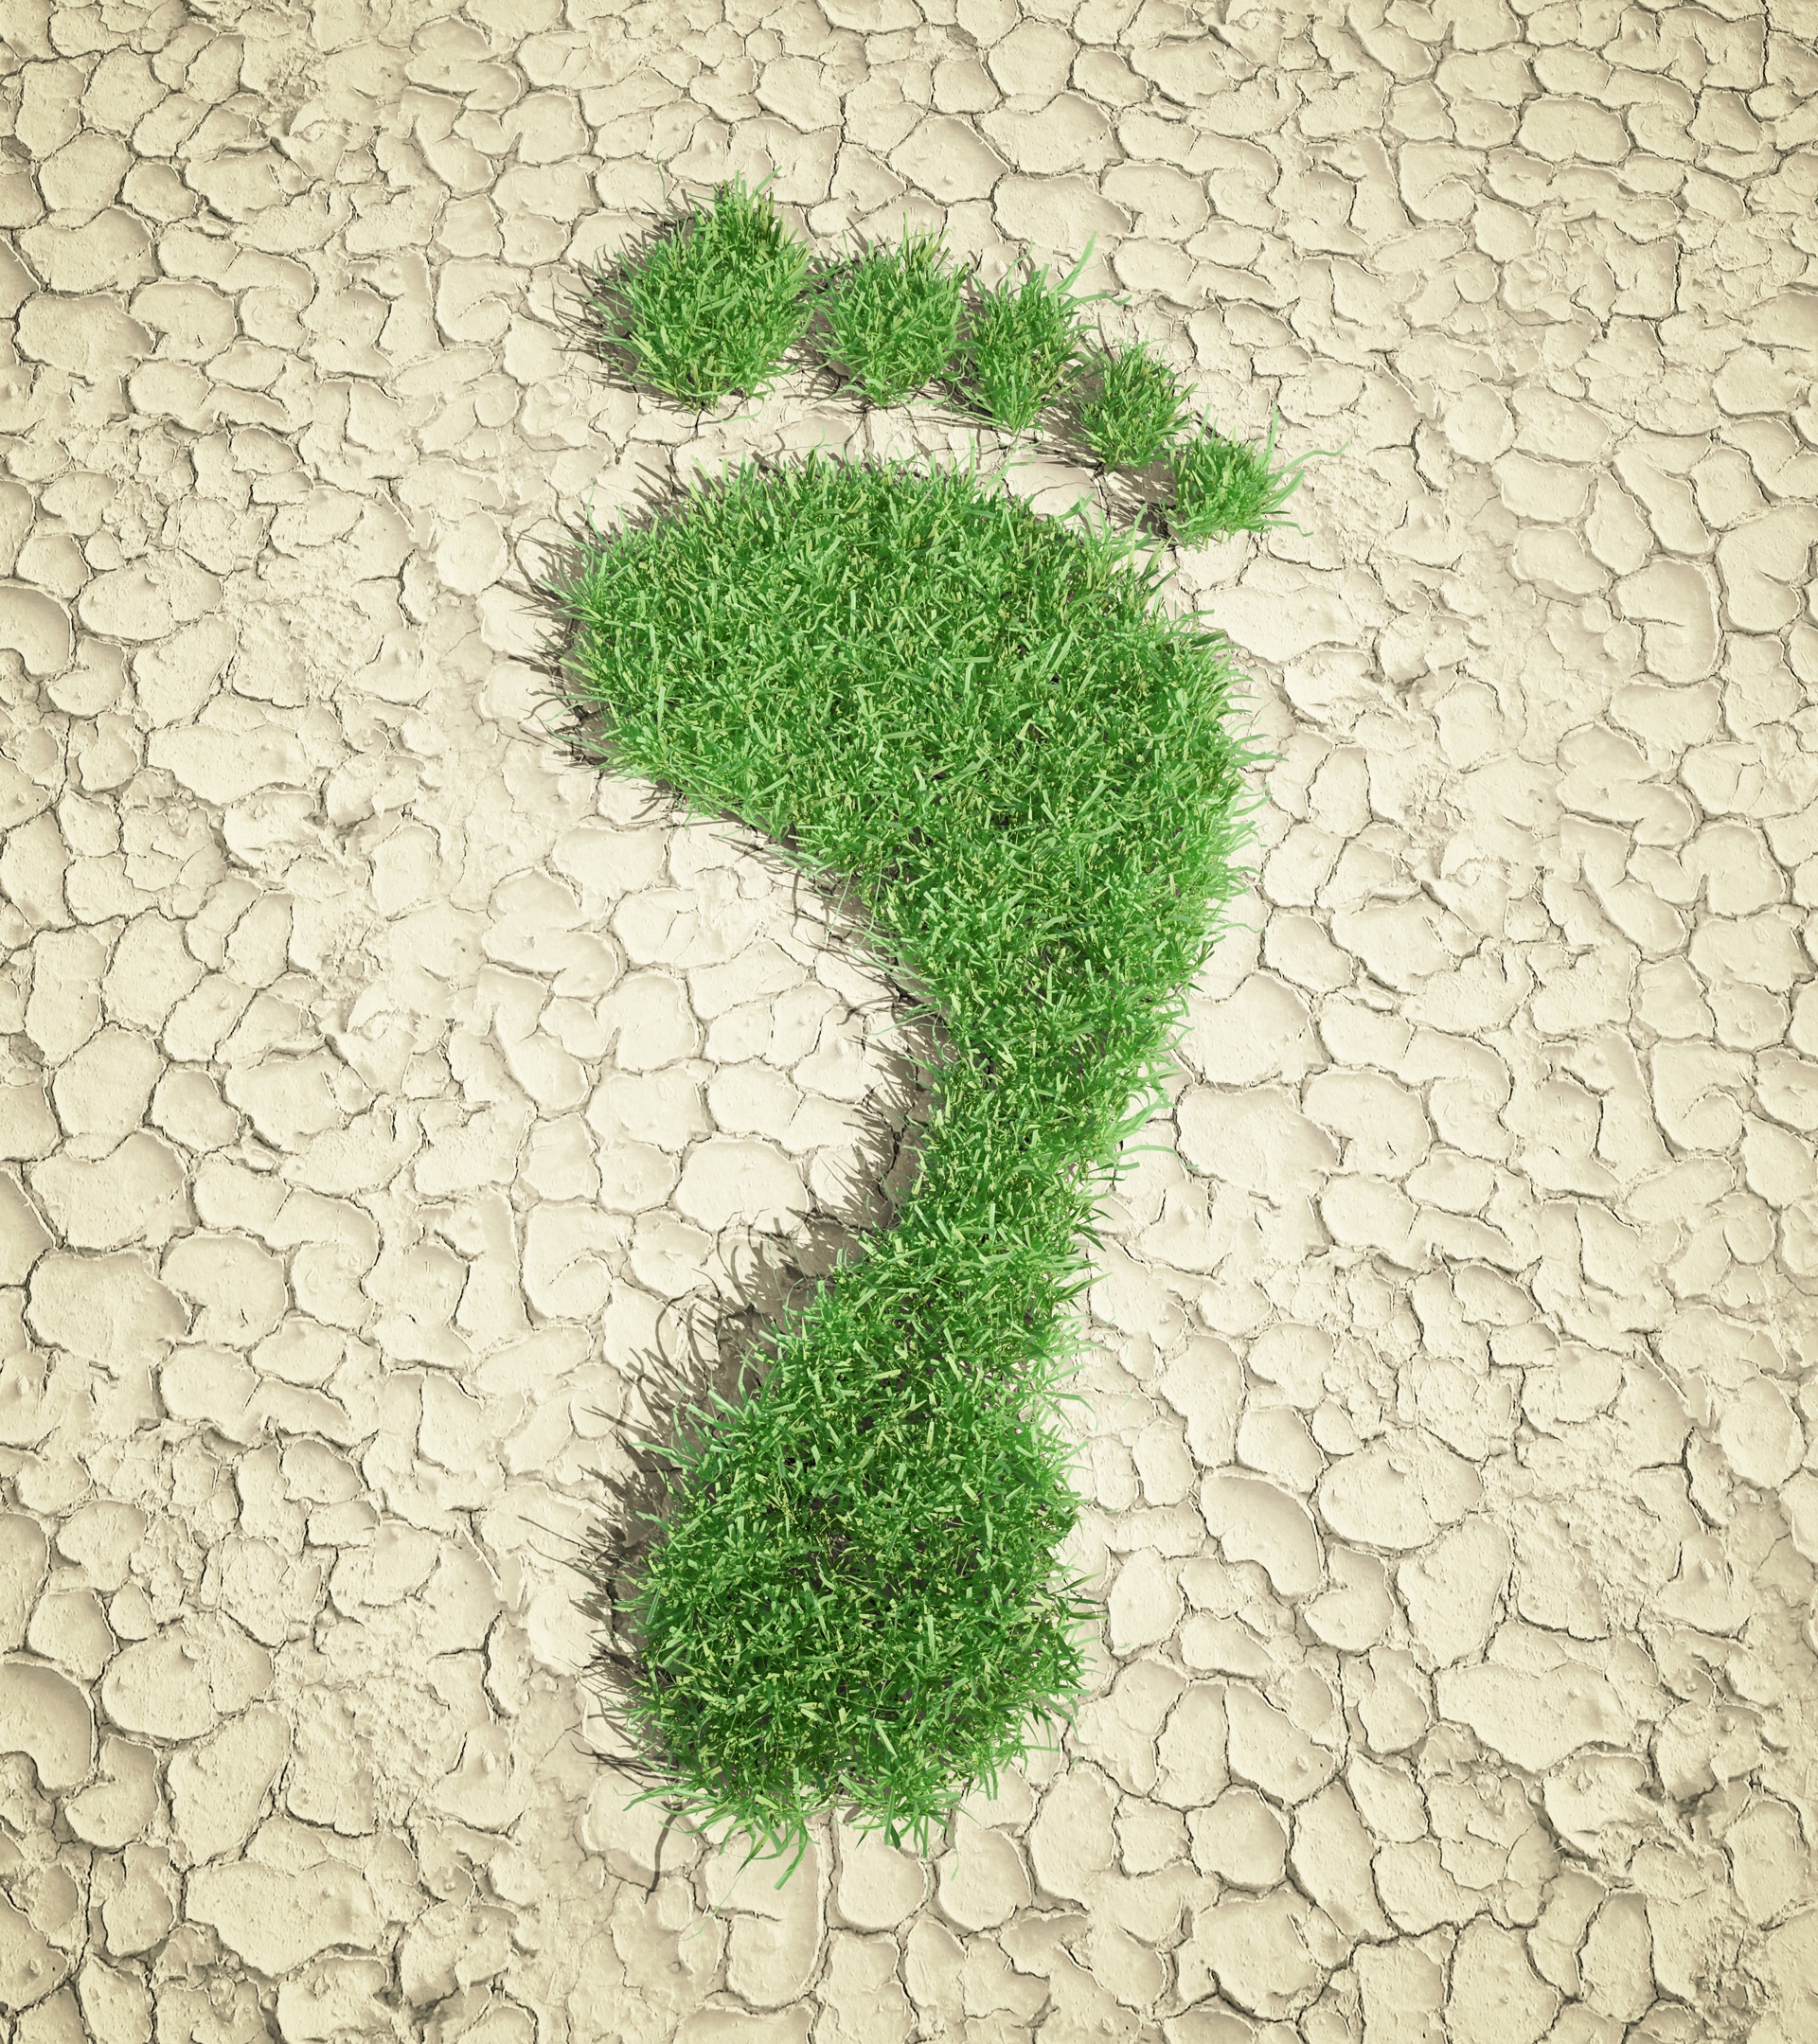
376	1084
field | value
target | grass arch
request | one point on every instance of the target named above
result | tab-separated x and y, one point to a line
977	718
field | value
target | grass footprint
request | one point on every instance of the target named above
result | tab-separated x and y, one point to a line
1226	486
1022	345
976	716
1136	406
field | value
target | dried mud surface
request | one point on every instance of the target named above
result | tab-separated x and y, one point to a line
379	1086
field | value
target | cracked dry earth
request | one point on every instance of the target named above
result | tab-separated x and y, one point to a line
379	1083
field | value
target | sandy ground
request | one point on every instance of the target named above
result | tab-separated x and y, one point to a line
381	1086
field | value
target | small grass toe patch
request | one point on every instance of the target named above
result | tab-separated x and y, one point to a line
1021	343
894	318
716	306
1130	404
1227	485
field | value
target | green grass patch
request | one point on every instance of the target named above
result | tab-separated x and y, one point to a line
981	721
1131	406
895	316
1227	485
716	306
1021	346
